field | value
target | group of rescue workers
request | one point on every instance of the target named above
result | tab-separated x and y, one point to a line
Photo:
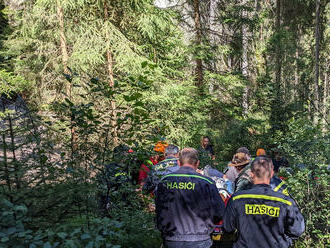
246	206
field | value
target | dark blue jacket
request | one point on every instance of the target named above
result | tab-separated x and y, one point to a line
167	166
278	185
263	218
187	206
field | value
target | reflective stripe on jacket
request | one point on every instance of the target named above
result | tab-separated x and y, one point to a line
187	206
164	167
263	218
278	185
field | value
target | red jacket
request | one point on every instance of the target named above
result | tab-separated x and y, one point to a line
144	170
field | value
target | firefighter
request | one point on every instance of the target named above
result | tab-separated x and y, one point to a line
168	165
187	205
263	217
112	177
146	167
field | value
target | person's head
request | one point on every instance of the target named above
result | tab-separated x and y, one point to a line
243	150
159	150
172	151
120	151
240	160
261	152
262	170
205	141
189	157
277	154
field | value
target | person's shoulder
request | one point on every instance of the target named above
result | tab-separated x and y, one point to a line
243	192
206	179
244	174
280	197
193	174
202	178
262	193
178	176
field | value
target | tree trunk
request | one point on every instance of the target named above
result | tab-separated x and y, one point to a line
278	55
64	50
111	82
295	90
198	42
317	56
15	162
214	28
325	98
65	58
7	175
245	62
277	113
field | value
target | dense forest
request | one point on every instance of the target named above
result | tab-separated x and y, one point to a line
81	77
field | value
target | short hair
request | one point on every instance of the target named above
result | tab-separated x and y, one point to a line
243	150
262	167
171	150
205	137
188	156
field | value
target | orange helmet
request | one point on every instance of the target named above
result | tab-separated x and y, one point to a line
160	146
261	152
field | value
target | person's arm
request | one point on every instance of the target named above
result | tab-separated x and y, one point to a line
150	183
285	162
294	223
214	173
217	204
231	173
143	173
229	221
242	183
212	153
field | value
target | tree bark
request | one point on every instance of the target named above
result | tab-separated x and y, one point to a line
278	72
214	28
64	50
325	98
15	162
7	175
65	58
198	42
295	90
245	62
111	82
317	56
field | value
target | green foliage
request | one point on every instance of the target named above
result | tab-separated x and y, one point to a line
311	191
178	112
12	231
308	152
130	231
64	134
304	143
11	84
